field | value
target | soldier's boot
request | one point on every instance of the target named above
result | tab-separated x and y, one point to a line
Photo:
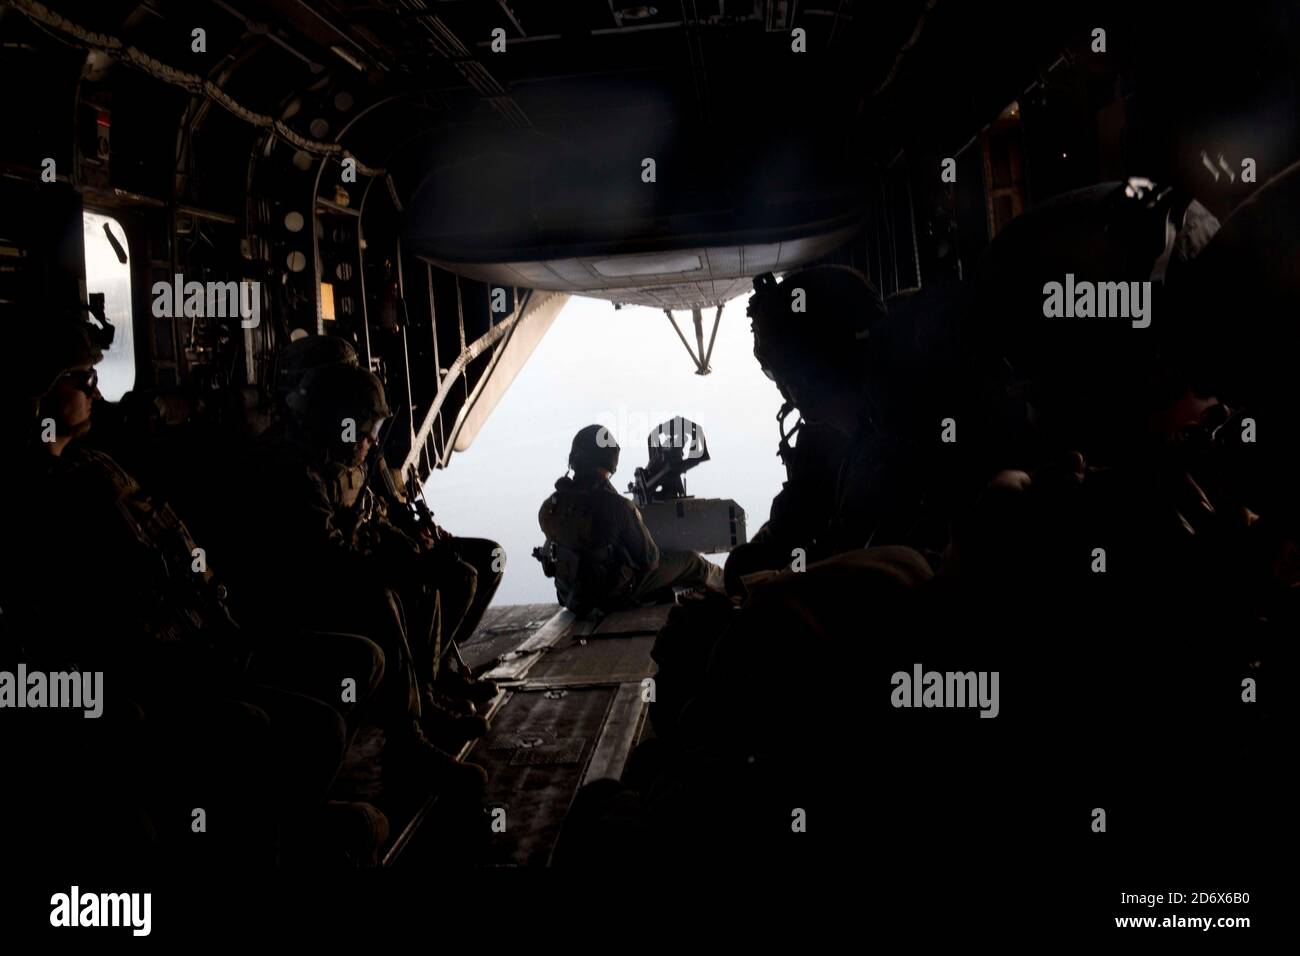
338	833
443	721
356	829
437	693
417	762
457	684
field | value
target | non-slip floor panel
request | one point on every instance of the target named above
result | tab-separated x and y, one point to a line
574	709
536	754
614	660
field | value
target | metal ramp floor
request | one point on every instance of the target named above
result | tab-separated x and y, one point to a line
573	706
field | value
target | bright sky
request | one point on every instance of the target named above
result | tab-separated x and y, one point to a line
626	370
104	273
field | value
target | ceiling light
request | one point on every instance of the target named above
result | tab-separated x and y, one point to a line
651	265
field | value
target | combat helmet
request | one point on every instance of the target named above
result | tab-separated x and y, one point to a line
330	396
815	324
56	346
302	355
593	447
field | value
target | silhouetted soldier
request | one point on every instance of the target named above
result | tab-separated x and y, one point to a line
109	579
605	556
307	558
461	575
805	504
855	477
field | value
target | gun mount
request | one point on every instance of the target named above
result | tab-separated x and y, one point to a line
675	447
675	519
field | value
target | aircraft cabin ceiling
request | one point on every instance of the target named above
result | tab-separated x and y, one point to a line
530	165
676	279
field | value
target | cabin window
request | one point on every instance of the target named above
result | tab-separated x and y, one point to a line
107	273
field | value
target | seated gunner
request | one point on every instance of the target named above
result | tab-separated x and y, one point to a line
604	555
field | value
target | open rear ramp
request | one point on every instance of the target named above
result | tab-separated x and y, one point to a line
572	708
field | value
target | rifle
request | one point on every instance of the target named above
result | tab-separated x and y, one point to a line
384	489
418	508
409	512
546	555
420	515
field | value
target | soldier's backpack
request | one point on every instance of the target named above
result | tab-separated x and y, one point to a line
587	574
